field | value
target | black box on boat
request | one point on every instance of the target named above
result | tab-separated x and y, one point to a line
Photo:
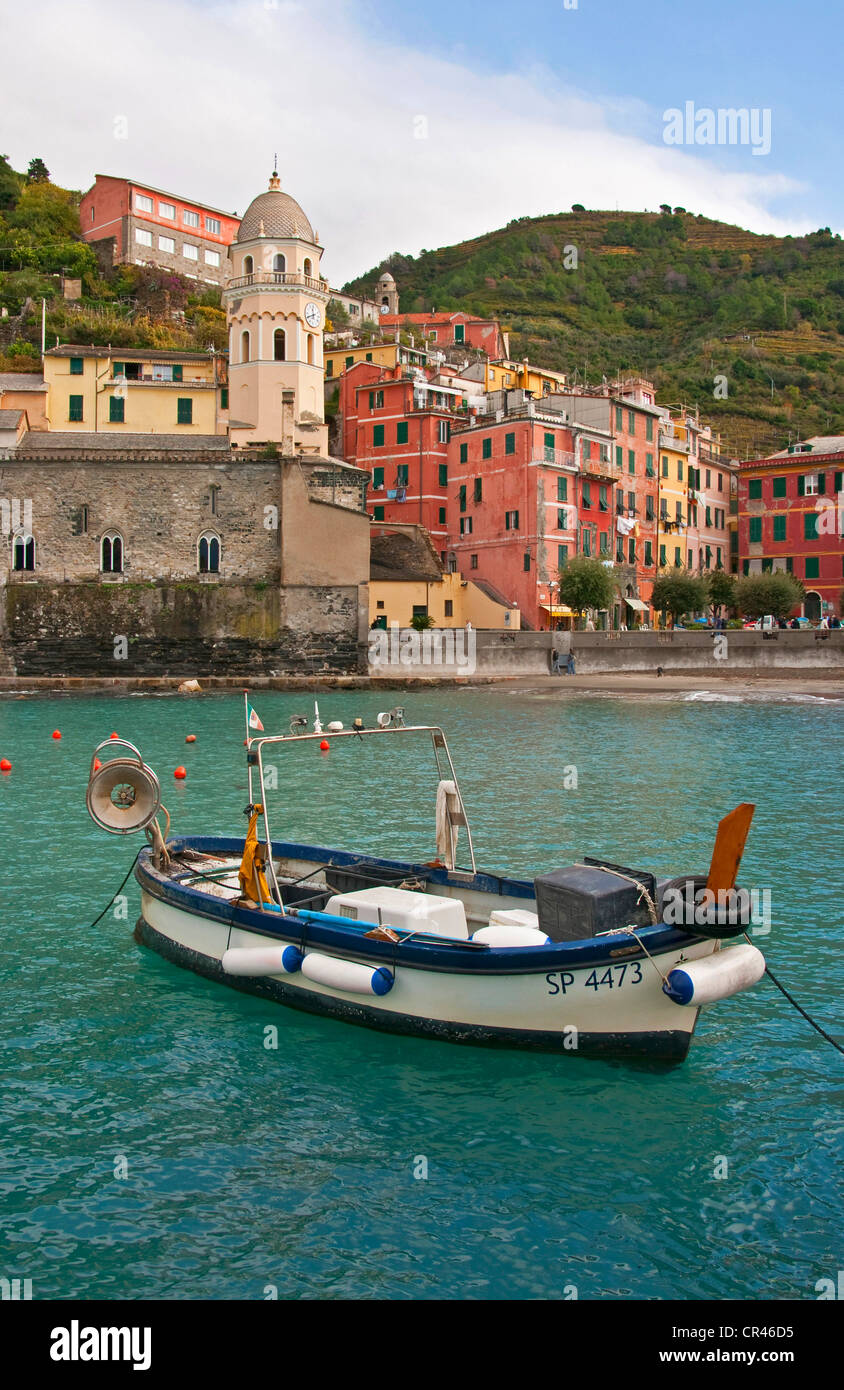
584	900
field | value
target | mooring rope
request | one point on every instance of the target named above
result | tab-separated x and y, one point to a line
111	900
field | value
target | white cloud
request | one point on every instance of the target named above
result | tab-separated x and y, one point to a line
209	93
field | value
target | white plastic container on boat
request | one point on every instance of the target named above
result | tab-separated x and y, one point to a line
404	909
349	976
717	976
510	934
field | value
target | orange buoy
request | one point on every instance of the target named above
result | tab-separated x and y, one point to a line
324	745
56	734
114	736
5	765
190	738
180	773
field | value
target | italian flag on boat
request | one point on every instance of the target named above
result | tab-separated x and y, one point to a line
252	720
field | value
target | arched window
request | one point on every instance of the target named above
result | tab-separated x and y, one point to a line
23	552
244	345
279	263
308	266
111	553
208	553
248	265
279	345
310	338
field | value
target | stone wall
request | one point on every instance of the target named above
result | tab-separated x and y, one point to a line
737	652
186	629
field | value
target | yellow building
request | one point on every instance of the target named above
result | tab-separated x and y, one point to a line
450	601
673	500
505	374
135	391
390	355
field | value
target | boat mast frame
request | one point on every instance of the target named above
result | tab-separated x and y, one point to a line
255	747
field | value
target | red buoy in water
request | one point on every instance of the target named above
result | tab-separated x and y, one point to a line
324	745
5	765
190	738
180	773
56	734
114	735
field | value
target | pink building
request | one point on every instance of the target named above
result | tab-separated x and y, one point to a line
446	330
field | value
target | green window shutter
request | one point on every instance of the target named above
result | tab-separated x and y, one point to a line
350	362
562	556
177	371
679	470
631	550
562	489
464	453
618	418
329	366
184	411
665	467
369	357
708	516
402	475
509	444
801	485
649	465
463	497
789	565
755	529
378	513
442	516
821	482
649	558
779	528
605	543
562	519
810	526
838	482
780	487
479	490
526	560
401	432
372	400
813	567
74	408
586	494
619	456
117	368
486	449
378	479
649	428
77	366
224	397
631	461
549	441
662	558
631	422
378	436
754	489
443	475
116	410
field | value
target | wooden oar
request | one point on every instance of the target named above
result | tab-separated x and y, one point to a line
729	847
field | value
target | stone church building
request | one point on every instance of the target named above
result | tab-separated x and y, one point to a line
148	553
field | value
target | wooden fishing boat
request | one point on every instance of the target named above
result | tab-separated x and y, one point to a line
588	959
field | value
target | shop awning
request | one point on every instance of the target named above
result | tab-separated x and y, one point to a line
637	604
558	612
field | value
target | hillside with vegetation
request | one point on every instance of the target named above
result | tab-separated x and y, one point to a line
677	298
127	306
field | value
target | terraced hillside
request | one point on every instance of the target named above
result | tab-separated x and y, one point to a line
679	298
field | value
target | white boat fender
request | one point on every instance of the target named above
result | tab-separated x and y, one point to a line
726	972
262	960
346	975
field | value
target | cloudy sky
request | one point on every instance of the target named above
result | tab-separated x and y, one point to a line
402	126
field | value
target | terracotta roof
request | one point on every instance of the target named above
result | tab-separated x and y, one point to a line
80	443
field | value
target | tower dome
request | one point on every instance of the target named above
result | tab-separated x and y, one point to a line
274	214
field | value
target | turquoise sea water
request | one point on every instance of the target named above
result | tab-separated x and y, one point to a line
295	1168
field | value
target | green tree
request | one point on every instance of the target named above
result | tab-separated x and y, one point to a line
677	591
37	171
776	593
586	583
721	589
10	185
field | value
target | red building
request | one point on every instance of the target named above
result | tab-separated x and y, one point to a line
398	428
526	493
135	224
453	330
791	517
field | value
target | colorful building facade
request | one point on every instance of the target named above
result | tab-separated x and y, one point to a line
791	518
135	391
136	224
447	330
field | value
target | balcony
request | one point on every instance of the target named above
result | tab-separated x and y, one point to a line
673	441
600	468
554	458
279	278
